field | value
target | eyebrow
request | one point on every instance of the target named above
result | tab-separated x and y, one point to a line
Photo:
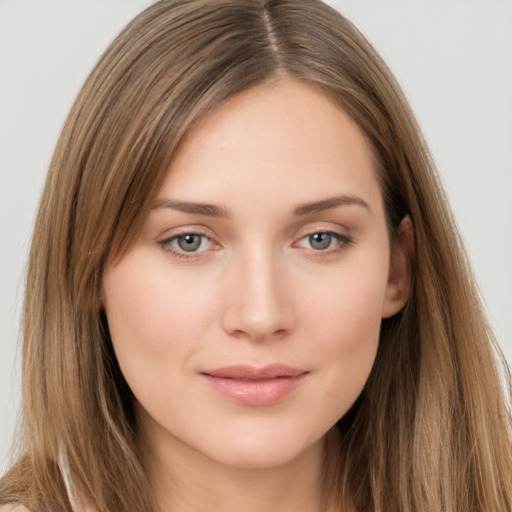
211	210
327	204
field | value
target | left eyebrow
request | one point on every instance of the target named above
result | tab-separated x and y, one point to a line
327	204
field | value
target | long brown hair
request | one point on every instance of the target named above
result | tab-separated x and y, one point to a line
431	430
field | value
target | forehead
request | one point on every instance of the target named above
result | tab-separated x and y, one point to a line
277	140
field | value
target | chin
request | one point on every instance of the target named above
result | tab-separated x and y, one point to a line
264	452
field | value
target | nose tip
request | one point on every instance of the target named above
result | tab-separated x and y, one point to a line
259	306
258	329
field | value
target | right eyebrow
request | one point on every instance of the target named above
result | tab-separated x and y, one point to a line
208	210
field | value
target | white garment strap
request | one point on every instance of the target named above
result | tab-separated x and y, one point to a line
66	476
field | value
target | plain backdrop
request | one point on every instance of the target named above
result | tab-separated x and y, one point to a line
453	59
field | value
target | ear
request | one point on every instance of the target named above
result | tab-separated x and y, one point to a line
399	278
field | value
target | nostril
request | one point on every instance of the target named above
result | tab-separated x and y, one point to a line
259	335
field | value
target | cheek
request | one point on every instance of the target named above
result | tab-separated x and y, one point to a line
353	322
154	317
347	307
345	323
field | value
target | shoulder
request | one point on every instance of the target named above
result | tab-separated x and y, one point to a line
13	508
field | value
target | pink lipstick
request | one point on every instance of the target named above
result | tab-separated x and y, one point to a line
249	385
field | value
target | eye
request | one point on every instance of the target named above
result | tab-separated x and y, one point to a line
326	241
186	243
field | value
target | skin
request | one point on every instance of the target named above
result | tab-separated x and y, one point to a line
258	290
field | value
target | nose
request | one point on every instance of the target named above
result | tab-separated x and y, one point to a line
258	298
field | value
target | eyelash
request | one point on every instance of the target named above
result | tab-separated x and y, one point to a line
342	242
167	244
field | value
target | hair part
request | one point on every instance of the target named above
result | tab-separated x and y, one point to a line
430	431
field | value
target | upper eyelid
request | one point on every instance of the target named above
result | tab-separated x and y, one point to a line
335	229
327	232
299	234
170	234
184	233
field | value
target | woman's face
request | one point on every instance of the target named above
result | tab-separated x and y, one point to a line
246	316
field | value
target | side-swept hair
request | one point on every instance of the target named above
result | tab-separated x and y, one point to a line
431	431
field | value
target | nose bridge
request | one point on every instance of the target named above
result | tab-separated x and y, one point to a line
259	306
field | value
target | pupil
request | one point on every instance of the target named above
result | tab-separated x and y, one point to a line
189	243
320	241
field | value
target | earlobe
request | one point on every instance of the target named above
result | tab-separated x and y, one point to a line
399	278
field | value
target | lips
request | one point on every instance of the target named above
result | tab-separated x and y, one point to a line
253	386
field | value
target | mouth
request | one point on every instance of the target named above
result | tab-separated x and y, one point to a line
253	386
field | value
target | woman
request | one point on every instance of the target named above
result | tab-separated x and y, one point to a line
245	288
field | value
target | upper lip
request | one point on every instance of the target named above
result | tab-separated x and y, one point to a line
247	372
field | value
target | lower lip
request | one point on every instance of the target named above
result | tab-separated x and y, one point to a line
255	392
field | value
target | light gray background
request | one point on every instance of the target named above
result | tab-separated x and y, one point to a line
452	57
